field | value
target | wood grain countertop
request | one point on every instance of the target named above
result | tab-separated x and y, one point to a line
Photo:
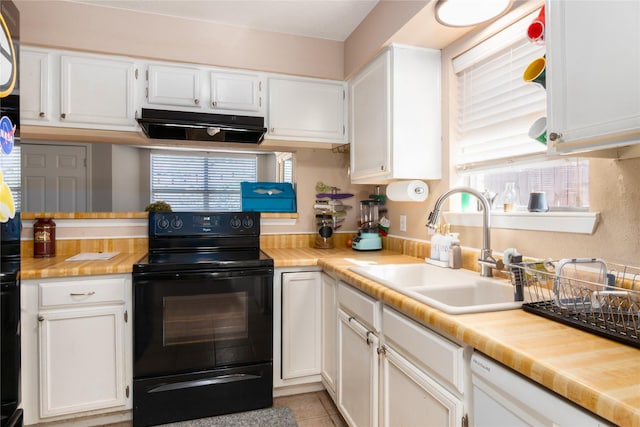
598	374
38	268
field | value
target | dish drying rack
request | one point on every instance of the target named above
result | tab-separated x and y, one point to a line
589	294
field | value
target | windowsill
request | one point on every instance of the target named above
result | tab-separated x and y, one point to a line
563	222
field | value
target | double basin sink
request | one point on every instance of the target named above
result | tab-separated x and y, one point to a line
451	291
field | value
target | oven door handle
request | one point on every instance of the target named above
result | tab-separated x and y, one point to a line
221	274
222	379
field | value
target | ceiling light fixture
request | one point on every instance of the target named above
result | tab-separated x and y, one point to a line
464	13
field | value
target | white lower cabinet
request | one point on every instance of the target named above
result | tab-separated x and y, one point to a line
358	370
301	324
76	347
419	370
81	360
297	330
394	371
329	360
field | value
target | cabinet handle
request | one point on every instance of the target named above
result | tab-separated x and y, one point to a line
82	294
196	101
553	136
381	167
63	116
41	114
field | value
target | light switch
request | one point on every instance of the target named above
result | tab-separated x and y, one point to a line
403	223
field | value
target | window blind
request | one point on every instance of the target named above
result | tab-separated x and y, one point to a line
10	167
495	107
203	182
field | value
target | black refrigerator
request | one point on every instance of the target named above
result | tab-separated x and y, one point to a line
11	414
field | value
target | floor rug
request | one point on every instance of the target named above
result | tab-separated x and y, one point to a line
270	417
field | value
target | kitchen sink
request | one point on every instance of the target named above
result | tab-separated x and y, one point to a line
451	291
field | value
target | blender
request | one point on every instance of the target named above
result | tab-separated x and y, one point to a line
368	238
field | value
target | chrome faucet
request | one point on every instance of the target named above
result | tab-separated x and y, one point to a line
486	260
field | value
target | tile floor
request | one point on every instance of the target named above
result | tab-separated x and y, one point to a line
312	409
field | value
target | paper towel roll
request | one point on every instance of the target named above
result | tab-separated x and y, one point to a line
408	191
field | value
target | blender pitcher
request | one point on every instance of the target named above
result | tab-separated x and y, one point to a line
368	238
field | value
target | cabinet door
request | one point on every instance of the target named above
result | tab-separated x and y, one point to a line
370	120
173	86
97	91
301	329
82	364
593	99
329	332
410	397
357	372
236	91
34	85
306	109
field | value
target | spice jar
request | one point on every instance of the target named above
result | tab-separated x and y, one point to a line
44	238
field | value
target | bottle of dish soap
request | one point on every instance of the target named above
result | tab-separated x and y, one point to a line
435	244
455	252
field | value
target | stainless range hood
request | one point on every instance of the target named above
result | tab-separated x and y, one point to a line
185	125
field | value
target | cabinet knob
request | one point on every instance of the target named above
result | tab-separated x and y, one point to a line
553	136
40	318
273	130
213	104
196	101
63	115
41	114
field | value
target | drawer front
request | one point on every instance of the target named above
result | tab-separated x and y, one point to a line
427	349
362	306
79	292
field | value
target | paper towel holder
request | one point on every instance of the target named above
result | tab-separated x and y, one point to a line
407	191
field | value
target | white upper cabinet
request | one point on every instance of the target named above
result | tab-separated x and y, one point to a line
395	112
202	89
236	91
70	89
172	85
593	69
97	90
306	110
34	85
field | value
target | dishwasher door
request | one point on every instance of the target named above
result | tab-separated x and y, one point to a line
502	397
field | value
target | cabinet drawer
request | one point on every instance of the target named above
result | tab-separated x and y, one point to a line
78	292
426	348
365	308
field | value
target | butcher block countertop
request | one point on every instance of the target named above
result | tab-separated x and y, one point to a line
598	374
38	268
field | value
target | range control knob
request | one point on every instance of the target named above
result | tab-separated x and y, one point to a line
247	222
235	222
177	223
163	223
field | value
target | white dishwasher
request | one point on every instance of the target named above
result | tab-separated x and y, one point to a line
504	398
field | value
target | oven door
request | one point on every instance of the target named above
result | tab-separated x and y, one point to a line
202	320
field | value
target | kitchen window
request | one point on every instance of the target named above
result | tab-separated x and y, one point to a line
201	182
494	109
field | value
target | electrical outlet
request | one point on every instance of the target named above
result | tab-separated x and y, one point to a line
403	223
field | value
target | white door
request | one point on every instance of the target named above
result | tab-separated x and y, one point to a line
411	398
81	360
357	372
97	91
306	109
236	91
301	304
370	119
54	178
593	71
34	85
174	86
329	333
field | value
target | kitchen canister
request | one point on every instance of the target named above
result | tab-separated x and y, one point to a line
408	191
44	238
